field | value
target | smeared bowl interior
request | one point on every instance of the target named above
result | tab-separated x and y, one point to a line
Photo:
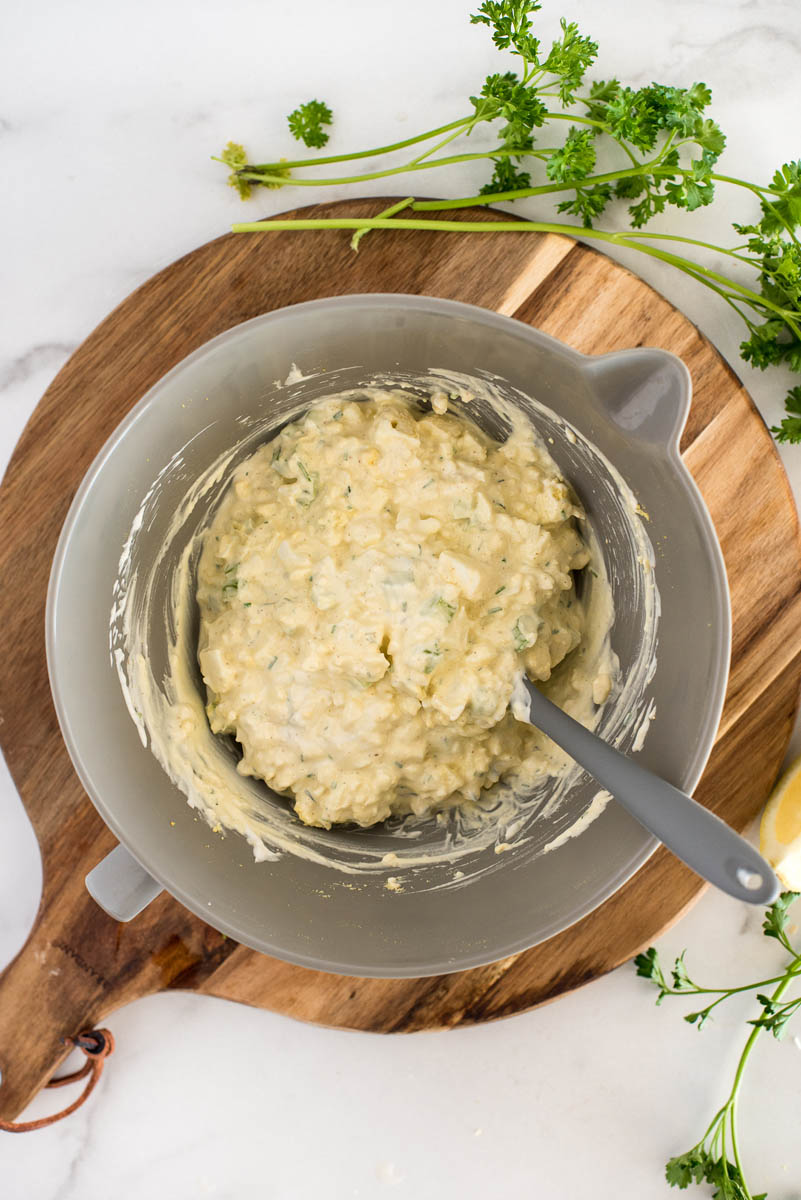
154	630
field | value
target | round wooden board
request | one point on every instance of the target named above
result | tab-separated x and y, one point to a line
79	965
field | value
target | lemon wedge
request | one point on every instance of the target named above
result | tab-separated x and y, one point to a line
780	831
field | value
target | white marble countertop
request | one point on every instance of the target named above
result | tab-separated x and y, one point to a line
108	115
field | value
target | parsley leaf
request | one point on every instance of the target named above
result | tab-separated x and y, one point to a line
700	1018
699	1166
649	967
695	189
569	58
686	1168
602	92
789	429
576	159
307	120
775	1016
681	980
725	1177
505	96
709	137
510	23
765	347
588	203
507	177
785	208
777	916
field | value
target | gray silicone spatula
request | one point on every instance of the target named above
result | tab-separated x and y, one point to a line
695	835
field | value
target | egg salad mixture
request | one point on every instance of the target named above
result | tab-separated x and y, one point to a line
373	584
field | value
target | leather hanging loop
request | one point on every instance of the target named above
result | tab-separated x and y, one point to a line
97	1045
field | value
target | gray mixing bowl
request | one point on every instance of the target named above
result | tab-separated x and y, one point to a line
332	909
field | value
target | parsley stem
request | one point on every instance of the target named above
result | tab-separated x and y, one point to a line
712	1149
759	302
665	124
675	237
260	175
438	146
282	165
731	1104
441	226
711	1126
275	173
387	212
783	940
640	168
555	116
792	971
724	296
761	193
540	190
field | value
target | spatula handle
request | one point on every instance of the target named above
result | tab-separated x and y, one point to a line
695	835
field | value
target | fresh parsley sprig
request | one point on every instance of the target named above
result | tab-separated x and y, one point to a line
715	1159
667	149
305	123
307	120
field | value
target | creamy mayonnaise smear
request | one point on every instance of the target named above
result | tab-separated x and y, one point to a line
373	584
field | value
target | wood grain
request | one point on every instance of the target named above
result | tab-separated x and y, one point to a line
78	965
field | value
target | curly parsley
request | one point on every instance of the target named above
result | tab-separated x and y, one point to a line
307	120
715	1159
663	151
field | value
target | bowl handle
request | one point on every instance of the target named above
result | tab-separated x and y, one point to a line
121	886
646	393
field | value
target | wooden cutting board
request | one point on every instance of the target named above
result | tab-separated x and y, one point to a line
78	965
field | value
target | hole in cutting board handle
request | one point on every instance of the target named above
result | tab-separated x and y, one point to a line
121	886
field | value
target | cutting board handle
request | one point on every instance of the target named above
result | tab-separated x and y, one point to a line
53	990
